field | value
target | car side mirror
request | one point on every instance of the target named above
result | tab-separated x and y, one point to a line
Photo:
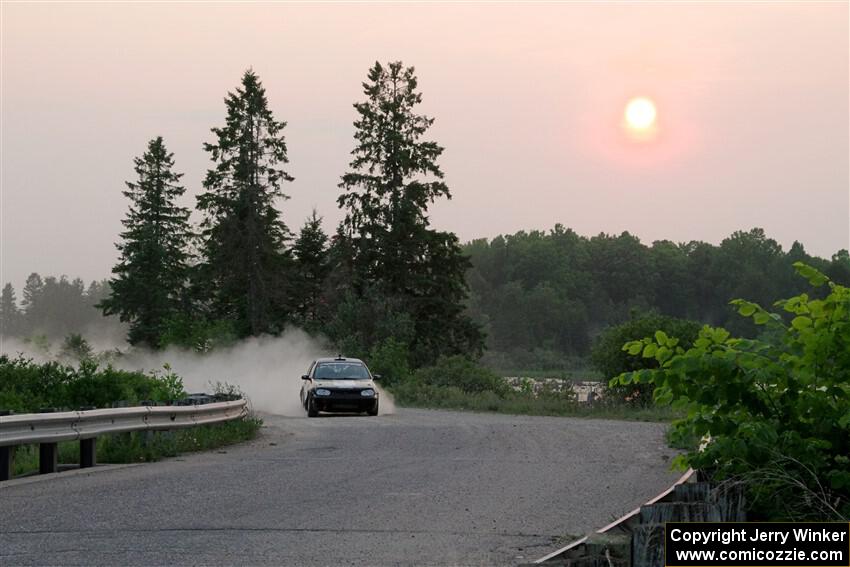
305	377
376	376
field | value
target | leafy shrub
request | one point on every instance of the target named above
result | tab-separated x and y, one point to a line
196	334
26	386
462	373
776	409
390	359
609	358
76	348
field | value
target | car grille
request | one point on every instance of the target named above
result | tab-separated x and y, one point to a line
345	394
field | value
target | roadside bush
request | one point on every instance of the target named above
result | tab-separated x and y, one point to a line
390	359
196	334
776	409
462	373
609	358
26	386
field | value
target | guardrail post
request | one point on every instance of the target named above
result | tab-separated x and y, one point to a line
7	462
88	452
48	458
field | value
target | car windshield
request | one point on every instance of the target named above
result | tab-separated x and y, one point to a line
341	371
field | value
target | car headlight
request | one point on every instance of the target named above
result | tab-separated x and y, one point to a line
367	393
323	392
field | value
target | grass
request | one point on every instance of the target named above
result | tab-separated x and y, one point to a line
519	403
143	447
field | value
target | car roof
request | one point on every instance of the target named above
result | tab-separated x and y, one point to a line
340	359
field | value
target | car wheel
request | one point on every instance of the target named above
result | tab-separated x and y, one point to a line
312	411
374	410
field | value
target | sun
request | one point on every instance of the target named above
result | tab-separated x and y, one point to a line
640	114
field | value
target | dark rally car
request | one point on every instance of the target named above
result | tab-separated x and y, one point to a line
339	384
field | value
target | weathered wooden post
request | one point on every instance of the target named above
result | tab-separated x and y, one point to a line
7	462
48	458
88	452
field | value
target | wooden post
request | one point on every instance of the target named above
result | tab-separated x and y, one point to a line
88	452
48	458
7	462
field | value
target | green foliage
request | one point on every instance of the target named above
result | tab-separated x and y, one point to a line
363	321
76	348
415	394
198	334
244	275
390	359
138	447
609	358
10	314
462	373
148	287
312	267
26	386
776	410
553	291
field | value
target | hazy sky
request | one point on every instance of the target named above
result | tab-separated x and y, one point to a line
752	105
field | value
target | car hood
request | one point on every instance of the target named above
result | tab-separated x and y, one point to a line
345	384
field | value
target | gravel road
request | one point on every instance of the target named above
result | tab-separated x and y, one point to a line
417	487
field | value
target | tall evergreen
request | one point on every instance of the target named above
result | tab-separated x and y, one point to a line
149	279
393	178
33	310
10	315
312	263
33	288
244	239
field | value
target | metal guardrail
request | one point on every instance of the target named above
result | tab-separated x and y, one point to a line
48	429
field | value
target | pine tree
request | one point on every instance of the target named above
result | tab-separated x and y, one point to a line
393	178
33	309
311	260
10	315
244	238
150	276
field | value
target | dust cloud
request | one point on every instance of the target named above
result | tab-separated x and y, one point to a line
267	370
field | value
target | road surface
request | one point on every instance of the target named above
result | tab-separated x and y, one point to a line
417	487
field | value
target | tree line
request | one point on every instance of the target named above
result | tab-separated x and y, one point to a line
384	275
542	297
53	307
384	282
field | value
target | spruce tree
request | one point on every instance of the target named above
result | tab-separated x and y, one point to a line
312	266
150	277
10	315
33	306
393	178
244	239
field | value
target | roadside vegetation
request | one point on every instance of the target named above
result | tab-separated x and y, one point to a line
27	387
142	447
774	410
462	384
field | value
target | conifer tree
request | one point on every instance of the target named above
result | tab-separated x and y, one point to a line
393	178
10	315
33	289
34	313
150	277
312	267
244	238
